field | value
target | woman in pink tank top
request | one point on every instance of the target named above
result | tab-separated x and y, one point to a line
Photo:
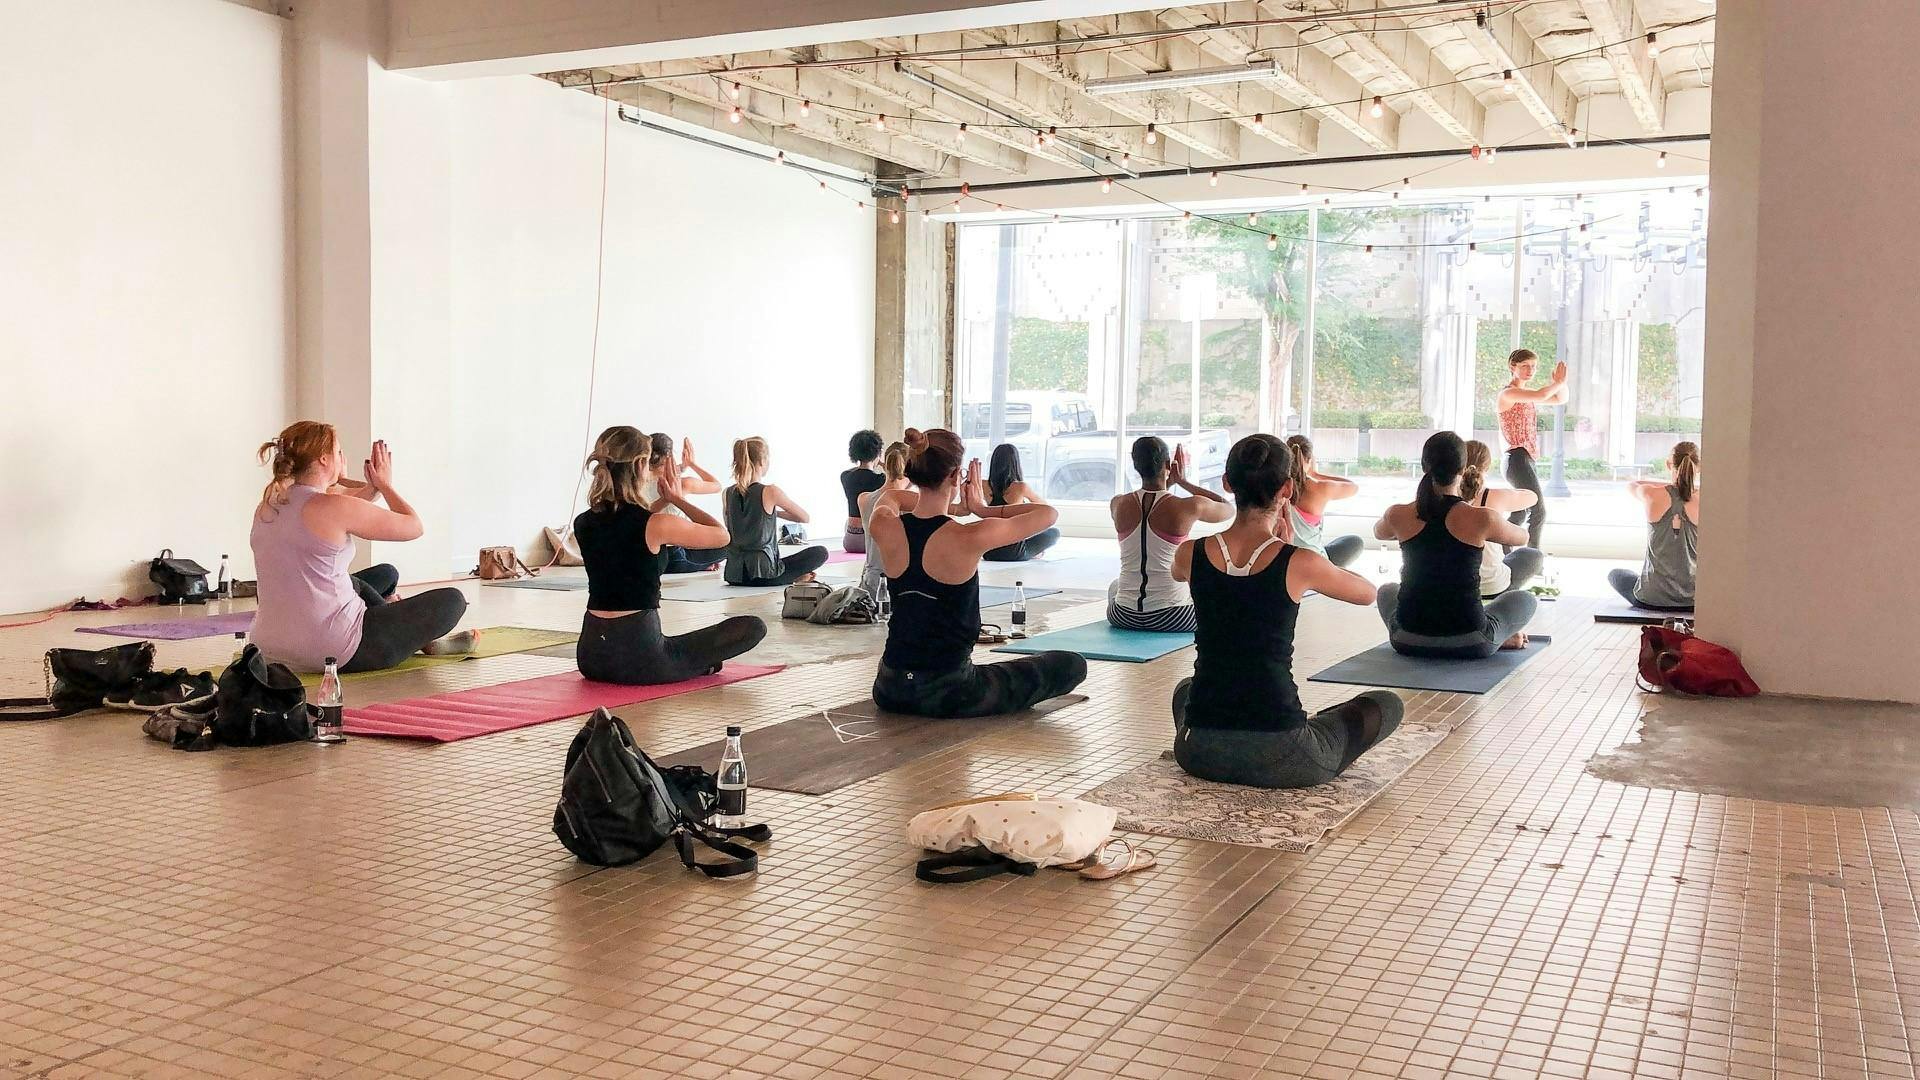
311	608
1520	428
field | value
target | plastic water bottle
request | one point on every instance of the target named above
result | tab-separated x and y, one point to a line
1019	609
327	706
732	811
223	586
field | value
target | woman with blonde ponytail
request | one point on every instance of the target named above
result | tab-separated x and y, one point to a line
1518	566
624	542
303	534
1666	578
754	510
1312	491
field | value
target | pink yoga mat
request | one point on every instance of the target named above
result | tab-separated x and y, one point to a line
483	711
844	556
180	629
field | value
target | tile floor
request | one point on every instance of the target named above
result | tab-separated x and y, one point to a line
390	909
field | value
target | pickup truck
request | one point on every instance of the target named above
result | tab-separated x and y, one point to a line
1067	456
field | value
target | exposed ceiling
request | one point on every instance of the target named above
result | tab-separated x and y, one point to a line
1003	102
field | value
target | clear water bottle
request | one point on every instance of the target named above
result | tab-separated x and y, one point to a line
1019	609
732	811
223	586
328	703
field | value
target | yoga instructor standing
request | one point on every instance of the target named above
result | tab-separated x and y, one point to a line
1520	427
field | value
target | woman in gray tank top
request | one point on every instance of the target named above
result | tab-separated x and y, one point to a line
753	512
1666	579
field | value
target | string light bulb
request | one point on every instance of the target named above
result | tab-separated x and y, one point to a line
1273	242
733	91
894	217
1260	122
966	189
1328	201
1573	138
1369	249
1153	136
1486	156
1126	160
1661	161
779	157
1406	181
806	108
823	185
1252	220
1303	189
733	115
1653	46
1506	80
880	122
960	136
1056	219
1213	179
1471	246
1186	215
1379	108
1106	184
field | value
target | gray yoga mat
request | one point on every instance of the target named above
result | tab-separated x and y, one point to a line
545	584
1381	666
1619	611
826	750
996	595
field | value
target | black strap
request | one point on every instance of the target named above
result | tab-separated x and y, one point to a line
41	709
741	859
968	864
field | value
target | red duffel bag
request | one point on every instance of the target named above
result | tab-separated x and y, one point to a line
1674	660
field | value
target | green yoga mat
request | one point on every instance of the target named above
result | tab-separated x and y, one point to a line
494	641
1100	641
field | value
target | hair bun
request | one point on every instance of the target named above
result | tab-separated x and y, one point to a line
915	439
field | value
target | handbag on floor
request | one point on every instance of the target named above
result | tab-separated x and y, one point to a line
501	563
81	679
848	605
1674	661
618	807
1007	834
566	549
179	580
259	703
801	598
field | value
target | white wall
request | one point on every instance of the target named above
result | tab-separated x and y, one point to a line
144	300
738	300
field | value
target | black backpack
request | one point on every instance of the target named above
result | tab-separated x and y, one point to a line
81	679
260	703
178	579
618	807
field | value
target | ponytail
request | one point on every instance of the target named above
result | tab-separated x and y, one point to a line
1442	460
748	454
1302	452
1473	476
1686	469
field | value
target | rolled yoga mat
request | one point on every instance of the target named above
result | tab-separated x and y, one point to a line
1381	666
1619	611
827	749
182	629
464	714
1100	641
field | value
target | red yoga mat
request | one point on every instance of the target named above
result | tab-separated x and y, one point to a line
483	711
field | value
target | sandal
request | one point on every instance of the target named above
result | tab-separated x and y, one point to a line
1099	869
991	634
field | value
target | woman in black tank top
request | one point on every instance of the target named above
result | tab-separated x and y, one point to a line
624	546
927	668
1435	609
1007	486
1239	720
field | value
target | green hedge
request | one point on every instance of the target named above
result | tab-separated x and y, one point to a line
1679	425
1145	418
1486	421
1379	421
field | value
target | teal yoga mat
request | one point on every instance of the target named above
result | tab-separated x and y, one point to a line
1099	641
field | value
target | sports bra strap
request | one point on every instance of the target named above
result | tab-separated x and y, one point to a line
1227	557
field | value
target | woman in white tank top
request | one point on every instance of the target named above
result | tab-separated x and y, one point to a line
1152	523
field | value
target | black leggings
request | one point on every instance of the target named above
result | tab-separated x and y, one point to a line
794	567
1030	548
979	689
632	651
1520	476
692	560
394	630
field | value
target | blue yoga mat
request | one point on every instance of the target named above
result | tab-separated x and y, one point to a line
1381	666
1099	641
996	595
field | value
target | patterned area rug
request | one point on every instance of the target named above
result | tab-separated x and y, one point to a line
1160	798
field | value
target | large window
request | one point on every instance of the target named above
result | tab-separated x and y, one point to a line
1366	327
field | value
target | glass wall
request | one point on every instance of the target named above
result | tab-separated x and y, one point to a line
1368	327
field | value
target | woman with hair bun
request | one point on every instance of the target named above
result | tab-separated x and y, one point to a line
1435	608
1312	491
1239	719
624	541
1666	579
1152	523
895	490
1498	573
753	512
303	541
932	566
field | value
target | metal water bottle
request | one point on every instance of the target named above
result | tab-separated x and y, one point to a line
732	785
328	703
1019	609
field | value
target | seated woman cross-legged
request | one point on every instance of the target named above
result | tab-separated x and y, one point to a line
932	563
1665	581
303	541
1152	523
754	510
863	450
1006	486
1312	491
1435	610
624	542
894	490
694	480
1239	720
1498	573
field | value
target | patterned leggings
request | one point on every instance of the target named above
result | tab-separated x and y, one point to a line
1172	620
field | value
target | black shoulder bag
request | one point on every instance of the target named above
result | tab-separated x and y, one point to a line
178	579
81	679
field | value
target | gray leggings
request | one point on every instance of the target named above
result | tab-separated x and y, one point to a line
1343	550
1523	565
1626	583
632	651
1314	753
1507	615
394	630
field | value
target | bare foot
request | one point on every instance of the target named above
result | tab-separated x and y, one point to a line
459	644
713	566
806	577
1517	641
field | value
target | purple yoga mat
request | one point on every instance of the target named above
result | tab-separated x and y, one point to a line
179	629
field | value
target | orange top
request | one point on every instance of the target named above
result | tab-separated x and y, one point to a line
1520	426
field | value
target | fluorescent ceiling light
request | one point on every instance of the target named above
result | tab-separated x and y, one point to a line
1171	80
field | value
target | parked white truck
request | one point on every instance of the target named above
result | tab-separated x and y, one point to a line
1065	453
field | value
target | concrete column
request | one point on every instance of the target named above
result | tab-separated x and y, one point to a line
912	323
1809	332
890	319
